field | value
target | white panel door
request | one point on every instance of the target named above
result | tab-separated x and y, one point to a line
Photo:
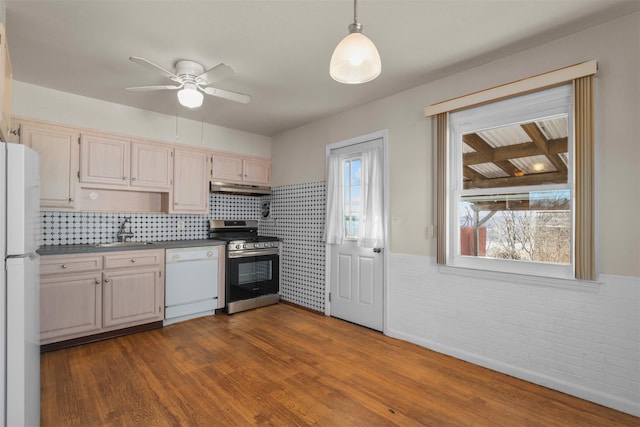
357	285
356	274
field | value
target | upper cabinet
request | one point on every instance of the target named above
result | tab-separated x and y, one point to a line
240	169
151	166
5	86
104	161
190	182
58	150
111	162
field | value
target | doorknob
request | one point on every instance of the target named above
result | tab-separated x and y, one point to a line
377	250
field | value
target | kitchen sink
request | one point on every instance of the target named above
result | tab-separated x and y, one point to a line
119	244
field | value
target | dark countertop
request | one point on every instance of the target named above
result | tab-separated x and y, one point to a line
89	248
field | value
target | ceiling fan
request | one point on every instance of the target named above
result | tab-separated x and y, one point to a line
192	81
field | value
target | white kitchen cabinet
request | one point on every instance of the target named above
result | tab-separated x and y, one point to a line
6	80
151	166
70	296
133	288
256	171
235	168
104	161
117	163
190	182
59	161
89	294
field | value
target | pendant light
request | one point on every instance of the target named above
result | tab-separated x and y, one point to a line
356	59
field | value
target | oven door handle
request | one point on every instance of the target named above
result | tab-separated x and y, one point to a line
249	252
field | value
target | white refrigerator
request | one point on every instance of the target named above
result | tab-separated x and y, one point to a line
19	285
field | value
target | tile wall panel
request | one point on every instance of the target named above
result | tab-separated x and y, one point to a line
297	216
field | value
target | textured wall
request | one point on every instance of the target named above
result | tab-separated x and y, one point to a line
584	341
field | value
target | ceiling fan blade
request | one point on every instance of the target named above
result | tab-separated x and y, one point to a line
217	73
149	88
149	64
226	94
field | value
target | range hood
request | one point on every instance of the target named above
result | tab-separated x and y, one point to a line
239	189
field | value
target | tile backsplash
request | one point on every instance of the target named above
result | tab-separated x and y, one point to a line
69	228
297	215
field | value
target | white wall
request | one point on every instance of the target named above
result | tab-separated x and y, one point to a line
41	103
585	343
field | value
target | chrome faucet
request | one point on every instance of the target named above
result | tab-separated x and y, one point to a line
125	230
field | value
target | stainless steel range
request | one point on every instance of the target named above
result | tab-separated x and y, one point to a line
252	277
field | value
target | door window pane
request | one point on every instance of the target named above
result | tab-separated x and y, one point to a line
352	195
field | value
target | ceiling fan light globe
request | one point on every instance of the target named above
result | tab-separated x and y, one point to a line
190	97
355	60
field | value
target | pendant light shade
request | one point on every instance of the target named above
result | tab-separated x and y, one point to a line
189	96
355	59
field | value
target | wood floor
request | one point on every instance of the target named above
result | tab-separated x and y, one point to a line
282	365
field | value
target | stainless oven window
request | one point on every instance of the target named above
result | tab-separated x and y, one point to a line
252	276
252	272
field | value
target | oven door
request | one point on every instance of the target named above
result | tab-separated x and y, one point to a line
249	276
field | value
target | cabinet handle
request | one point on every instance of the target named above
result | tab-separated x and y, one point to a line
64	265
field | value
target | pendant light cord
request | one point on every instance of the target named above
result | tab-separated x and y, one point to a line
355	11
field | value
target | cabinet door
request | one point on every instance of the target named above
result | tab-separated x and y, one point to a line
226	168
70	306
104	161
256	171
132	297
151	166
59	162
190	182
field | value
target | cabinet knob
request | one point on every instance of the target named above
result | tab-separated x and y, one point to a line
97	282
71	199
133	179
14	132
106	280
64	266
124	178
133	260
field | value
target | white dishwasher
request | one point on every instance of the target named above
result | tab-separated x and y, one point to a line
191	283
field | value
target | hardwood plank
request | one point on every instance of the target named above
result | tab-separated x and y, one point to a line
283	365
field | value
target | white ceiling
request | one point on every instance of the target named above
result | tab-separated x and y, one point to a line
279	49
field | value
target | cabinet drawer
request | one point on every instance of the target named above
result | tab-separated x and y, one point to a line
61	264
134	259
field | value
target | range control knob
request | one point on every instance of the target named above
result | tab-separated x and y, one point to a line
257	245
238	246
268	245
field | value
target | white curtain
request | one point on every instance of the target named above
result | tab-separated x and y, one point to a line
334	219
371	229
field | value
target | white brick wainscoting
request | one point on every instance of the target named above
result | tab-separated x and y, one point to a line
582	342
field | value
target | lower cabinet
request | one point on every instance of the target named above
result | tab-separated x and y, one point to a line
85	295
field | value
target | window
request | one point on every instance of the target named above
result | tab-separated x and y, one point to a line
510	184
352	178
529	203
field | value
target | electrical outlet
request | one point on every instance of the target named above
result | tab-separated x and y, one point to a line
180	225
